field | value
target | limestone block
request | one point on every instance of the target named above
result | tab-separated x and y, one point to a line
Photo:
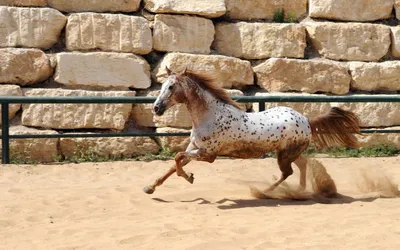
261	9
142	114
355	10
174	143
37	150
229	72
108	32
375	114
24	66
102	69
260	40
11	90
308	109
177	116
349	41
95	5
74	116
397	8
280	75
108	147
174	33
206	8
395	35
30	27
377	139
24	3
375	76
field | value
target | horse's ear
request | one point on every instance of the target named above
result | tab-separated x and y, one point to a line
168	70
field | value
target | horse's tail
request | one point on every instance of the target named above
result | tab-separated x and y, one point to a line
336	128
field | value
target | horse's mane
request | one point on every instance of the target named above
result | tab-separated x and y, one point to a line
209	83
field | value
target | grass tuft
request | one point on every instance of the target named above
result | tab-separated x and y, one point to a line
376	151
279	15
163	155
291	17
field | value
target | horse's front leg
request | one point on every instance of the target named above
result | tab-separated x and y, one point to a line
159	181
183	158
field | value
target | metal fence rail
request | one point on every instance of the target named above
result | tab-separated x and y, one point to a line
6	100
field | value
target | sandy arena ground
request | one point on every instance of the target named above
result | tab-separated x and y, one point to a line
102	206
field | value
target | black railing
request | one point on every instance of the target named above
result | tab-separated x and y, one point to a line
261	100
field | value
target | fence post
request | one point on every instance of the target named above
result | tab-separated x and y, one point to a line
261	106
5	137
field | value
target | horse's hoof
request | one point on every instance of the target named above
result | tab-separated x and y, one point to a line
191	178
148	190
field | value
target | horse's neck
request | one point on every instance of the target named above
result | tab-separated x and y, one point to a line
202	106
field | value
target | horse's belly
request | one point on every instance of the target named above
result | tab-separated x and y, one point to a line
247	149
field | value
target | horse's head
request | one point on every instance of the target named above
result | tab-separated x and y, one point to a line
171	93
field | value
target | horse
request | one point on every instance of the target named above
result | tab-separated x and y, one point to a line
221	128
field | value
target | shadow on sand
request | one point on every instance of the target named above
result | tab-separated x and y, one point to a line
245	203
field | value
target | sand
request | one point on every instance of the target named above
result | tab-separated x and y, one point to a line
102	206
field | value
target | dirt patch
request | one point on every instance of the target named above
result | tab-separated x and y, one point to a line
372	182
322	186
102	206
375	181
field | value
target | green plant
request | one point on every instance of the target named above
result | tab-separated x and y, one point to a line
279	15
291	17
85	154
163	155
57	158
18	158
375	151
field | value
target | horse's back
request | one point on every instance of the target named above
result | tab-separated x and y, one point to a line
259	133
282	123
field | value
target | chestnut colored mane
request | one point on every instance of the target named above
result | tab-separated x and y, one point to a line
209	84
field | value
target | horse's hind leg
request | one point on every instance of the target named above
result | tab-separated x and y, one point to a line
285	158
301	163
285	165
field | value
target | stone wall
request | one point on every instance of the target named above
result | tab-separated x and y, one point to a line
121	47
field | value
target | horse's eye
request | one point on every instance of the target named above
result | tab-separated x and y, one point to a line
170	87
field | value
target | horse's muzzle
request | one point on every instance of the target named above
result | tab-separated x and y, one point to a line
158	109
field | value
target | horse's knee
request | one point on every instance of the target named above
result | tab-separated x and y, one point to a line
179	157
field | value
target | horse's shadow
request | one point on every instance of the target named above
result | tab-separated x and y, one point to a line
245	203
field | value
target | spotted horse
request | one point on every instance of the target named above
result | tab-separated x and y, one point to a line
221	128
